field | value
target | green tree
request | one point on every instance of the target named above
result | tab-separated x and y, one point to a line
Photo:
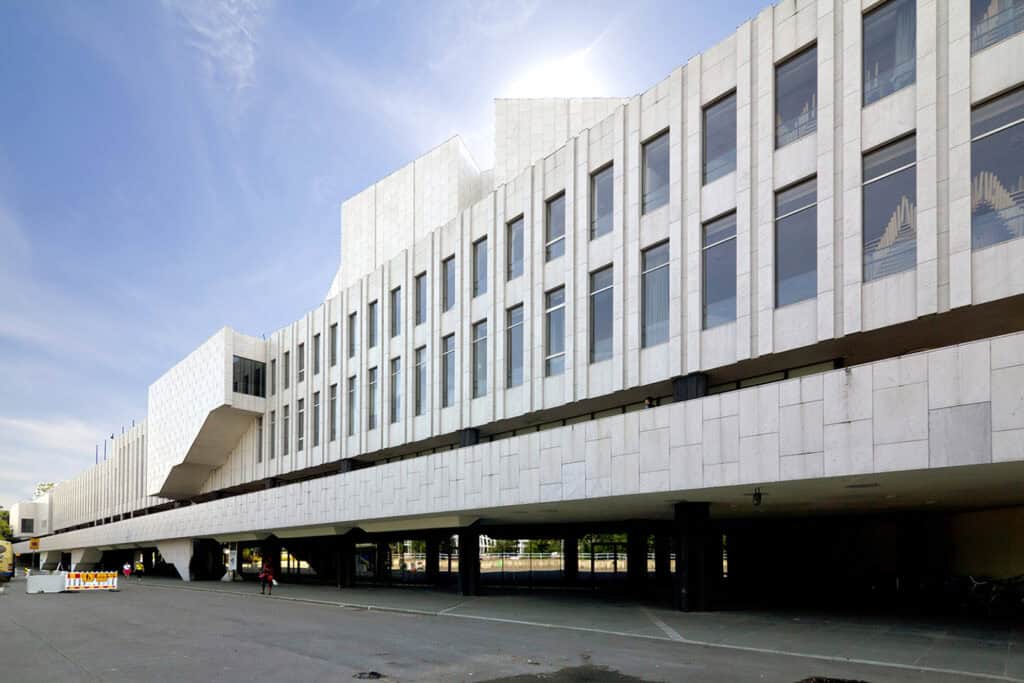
5	525
543	545
43	488
505	545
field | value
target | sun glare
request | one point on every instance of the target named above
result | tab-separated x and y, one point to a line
566	76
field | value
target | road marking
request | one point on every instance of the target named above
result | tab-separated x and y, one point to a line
448	610
665	628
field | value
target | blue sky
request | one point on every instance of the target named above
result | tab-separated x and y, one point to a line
167	168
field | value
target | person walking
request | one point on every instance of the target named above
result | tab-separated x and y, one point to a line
266	577
126	570
139	569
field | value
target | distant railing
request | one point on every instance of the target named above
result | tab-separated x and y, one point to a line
997	27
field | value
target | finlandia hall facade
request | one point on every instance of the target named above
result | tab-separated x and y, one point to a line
763	321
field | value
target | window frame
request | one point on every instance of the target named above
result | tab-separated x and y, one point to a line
448	365
478	348
420	383
395	390
865	183
479	270
593	294
510	329
592	223
449	290
721	99
422	299
789	214
549	241
510	260
704	269
644	273
395	310
785	61
549	310
371	398
372	323
647	205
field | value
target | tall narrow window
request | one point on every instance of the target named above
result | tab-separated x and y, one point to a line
396	311
796	243
286	424
421	298
351	407
353	334
273	376
448	273
554	332
601	315
316	419
300	364
514	249
396	390
371	325
602	202
997	169
993	21
890	209
316	354
554	227
300	425
420	389
720	271
334	345
654	295
479	359
796	97
655	177
720	138
448	370
371	398
286	375
514	346
890	55
480	266
272	441
259	439
332	432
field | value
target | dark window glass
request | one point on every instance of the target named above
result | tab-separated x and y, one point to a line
300	425
480	266
890	210
334	345
333	407
316	418
796	97
316	354
654	295
286	375
448	370
421	380
479	359
371	398
601	315
720	271
353	334
890	55
300	365
273	376
993	21
514	249
655	178
396	311
272	441
285	426
396	390
997	170
248	376
555	228
448	294
796	243
720	138
352	406
421	298
514	346
554	332
371	325
602	202
28	526
259	439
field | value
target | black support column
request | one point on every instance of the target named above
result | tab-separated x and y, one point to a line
469	562
571	552
346	561
383	569
663	558
694	546
636	554
431	568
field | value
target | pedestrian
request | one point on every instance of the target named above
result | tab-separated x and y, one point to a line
126	570
266	577
139	569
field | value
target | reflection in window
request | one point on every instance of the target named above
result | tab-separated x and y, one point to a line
371	398
890	209
272	441
479	359
350	413
554	226
448	370
796	97
420	390
654	295
448	293
601	202
316	418
655	178
890	57
285	425
720	138
300	425
480	266
396	390
300	369
993	21
554	332
396	311
514	249
333	408
720	271
796	243
997	170
247	376
371	325
421	298
601	315
514	346
353	335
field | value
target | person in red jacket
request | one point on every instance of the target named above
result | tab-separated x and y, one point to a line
266	577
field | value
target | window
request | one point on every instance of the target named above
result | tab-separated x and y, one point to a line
332	432
273	433
300	425
720	138
479	359
655	178
601	314
448	370
300	366
247	376
284	430
353	334
316	354
421	298
396	390
28	525
371	325
371	398
796	243
420	397
334	344
601	202
350	416
997	170
654	295
396	311
796	97
316	418
480	266
273	376
514	249
448	294
259	439
554	332
720	271
890	56
514	346
554	227
993	21
286	375
890	209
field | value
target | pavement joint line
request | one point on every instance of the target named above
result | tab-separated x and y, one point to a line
625	634
666	629
448	610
